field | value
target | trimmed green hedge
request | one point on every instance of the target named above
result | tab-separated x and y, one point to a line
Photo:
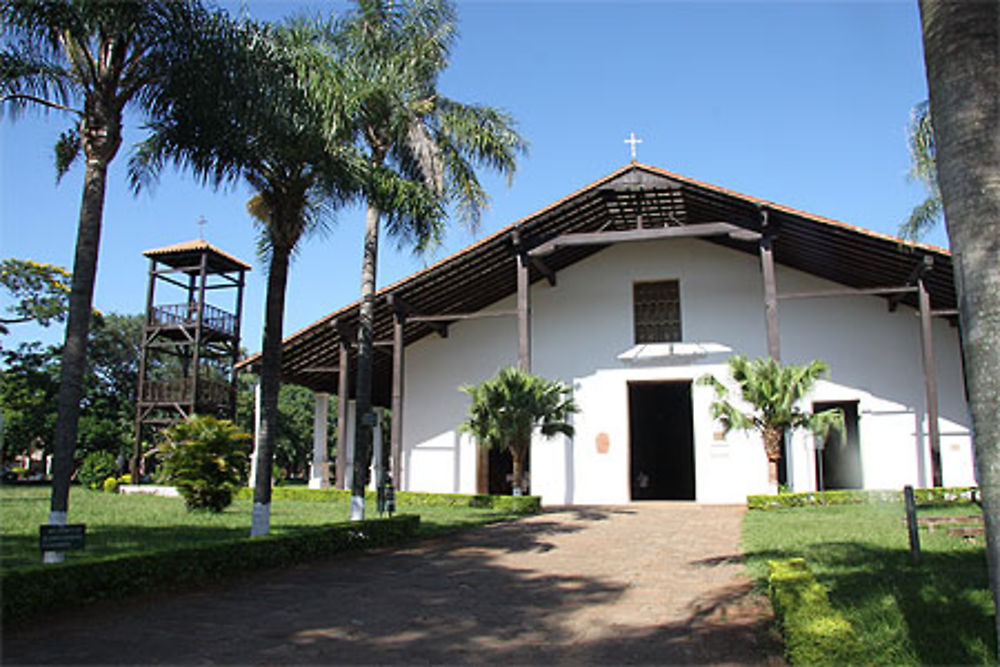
938	496
514	504
814	633
29	591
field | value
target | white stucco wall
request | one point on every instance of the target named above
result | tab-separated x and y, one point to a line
581	326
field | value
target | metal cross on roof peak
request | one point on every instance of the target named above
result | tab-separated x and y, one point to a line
201	227
633	141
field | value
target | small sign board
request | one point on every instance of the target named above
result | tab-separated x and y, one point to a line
62	538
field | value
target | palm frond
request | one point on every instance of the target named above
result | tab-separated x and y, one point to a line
923	168
67	150
923	218
772	392
506	409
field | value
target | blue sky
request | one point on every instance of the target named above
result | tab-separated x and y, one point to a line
802	103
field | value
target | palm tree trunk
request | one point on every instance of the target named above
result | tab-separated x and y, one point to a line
74	354
363	393
773	439
270	385
517	454
962	53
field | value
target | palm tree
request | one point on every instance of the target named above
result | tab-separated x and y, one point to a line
773	392
90	59
506	410
282	140
962	53
920	138
392	54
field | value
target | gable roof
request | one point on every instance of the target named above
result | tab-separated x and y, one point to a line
187	253
485	272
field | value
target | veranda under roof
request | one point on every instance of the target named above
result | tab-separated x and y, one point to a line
635	197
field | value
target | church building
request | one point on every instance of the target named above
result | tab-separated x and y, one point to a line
631	289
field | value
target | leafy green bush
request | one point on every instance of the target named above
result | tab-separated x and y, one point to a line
96	467
814	633
110	485
29	591
206	459
936	496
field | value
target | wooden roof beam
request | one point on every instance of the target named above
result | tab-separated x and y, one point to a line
916	273
868	291
647	234
452	317
521	248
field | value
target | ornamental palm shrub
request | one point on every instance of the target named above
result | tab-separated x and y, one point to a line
507	409
206	459
773	392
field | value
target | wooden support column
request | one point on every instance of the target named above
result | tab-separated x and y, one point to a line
198	333
396	433
136	461
770	290
237	323
930	381
482	470
523	306
343	398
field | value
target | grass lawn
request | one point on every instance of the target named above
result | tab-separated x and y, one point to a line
118	524
939	612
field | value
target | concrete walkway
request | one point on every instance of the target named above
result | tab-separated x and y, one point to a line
646	583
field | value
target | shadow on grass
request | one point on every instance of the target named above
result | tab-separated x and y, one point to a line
107	540
944	601
461	600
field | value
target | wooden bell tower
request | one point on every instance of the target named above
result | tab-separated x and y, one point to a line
190	338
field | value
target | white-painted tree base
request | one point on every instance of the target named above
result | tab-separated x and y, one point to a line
260	524
357	508
55	519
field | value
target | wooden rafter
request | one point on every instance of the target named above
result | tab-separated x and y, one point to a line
646	234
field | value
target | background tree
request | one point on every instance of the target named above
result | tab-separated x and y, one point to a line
506	410
39	292
293	447
29	384
108	405
772	392
281	139
91	59
920	139
962	53
391	55
30	381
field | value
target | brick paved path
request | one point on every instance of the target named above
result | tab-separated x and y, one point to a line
645	583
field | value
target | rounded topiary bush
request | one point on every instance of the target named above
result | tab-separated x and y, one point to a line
96	467
206	459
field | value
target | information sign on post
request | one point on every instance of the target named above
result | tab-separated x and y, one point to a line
62	538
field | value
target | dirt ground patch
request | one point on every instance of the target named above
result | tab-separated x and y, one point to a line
645	583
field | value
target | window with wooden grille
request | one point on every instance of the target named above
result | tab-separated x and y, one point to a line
657	311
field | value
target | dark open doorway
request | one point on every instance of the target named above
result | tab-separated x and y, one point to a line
838	465
662	441
501	477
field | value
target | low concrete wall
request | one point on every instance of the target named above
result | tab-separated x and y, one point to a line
149	490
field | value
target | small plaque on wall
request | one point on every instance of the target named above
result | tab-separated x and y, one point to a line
603	443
